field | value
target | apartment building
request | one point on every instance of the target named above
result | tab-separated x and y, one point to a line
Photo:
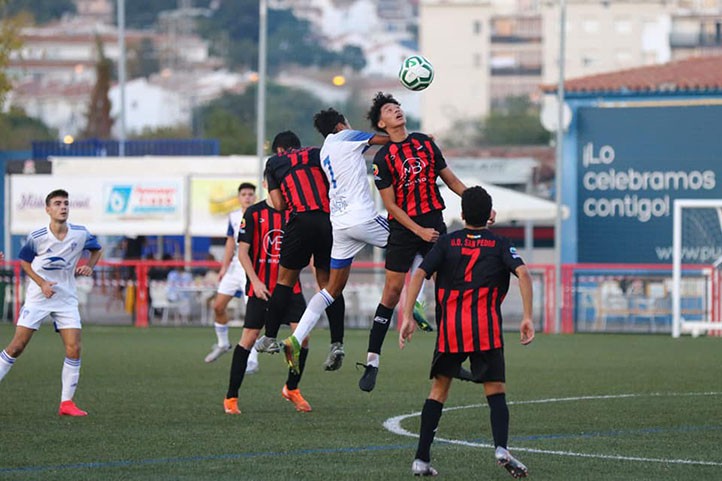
486	50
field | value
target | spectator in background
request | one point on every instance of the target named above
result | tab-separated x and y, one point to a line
178	290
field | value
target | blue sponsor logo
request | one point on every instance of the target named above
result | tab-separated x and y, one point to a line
119	199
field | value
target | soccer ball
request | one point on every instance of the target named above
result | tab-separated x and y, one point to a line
416	73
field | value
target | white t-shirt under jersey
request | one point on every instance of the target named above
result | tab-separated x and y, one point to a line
349	189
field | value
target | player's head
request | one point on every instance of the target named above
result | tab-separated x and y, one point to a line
246	194
475	206
327	122
385	112
56	204
57	193
284	141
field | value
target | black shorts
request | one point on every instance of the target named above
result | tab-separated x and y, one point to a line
404	244
307	234
256	311
486	366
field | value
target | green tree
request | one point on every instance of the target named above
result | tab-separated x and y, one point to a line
178	132
233	28
99	121
143	59
232	118
41	10
516	123
10	42
17	130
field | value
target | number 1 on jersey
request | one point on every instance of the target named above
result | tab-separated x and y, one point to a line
327	164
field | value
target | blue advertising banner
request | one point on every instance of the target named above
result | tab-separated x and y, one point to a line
632	164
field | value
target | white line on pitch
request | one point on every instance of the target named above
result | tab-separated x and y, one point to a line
394	425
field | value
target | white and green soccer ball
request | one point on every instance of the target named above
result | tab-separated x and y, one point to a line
416	72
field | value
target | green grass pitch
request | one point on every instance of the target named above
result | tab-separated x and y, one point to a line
156	411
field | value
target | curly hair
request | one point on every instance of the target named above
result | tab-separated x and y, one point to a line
326	120
374	113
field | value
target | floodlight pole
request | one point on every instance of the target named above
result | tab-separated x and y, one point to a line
558	168
261	92
121	76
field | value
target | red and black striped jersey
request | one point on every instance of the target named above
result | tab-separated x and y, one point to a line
262	228
411	168
299	175
472	269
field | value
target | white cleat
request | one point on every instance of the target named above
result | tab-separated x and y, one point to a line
252	368
510	463
217	351
422	468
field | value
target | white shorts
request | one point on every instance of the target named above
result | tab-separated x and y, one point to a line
233	282
32	316
349	241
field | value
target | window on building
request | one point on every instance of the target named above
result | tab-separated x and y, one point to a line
623	26
590	25
623	57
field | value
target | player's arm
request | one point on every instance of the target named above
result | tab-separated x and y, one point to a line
452	181
87	269
279	203
428	234
45	285
26	255
260	289
525	288
227	255
408	326
379	139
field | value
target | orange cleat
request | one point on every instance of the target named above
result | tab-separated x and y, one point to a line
294	395
230	405
68	408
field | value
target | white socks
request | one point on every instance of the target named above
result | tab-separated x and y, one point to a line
222	334
6	362
69	377
372	359
253	356
314	309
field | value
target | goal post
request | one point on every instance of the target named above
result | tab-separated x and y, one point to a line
697	245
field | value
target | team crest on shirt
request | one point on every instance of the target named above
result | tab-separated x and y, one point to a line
73	245
272	242
413	166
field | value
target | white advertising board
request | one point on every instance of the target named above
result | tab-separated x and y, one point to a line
106	205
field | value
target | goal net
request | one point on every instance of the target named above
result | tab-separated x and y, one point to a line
697	248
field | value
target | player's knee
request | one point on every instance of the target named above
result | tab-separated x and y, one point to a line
72	350
15	348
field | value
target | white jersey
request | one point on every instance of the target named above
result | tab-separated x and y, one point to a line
349	189
55	261
234	226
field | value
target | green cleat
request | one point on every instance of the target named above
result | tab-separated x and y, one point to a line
420	317
292	351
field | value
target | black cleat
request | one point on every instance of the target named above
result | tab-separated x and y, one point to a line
368	380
